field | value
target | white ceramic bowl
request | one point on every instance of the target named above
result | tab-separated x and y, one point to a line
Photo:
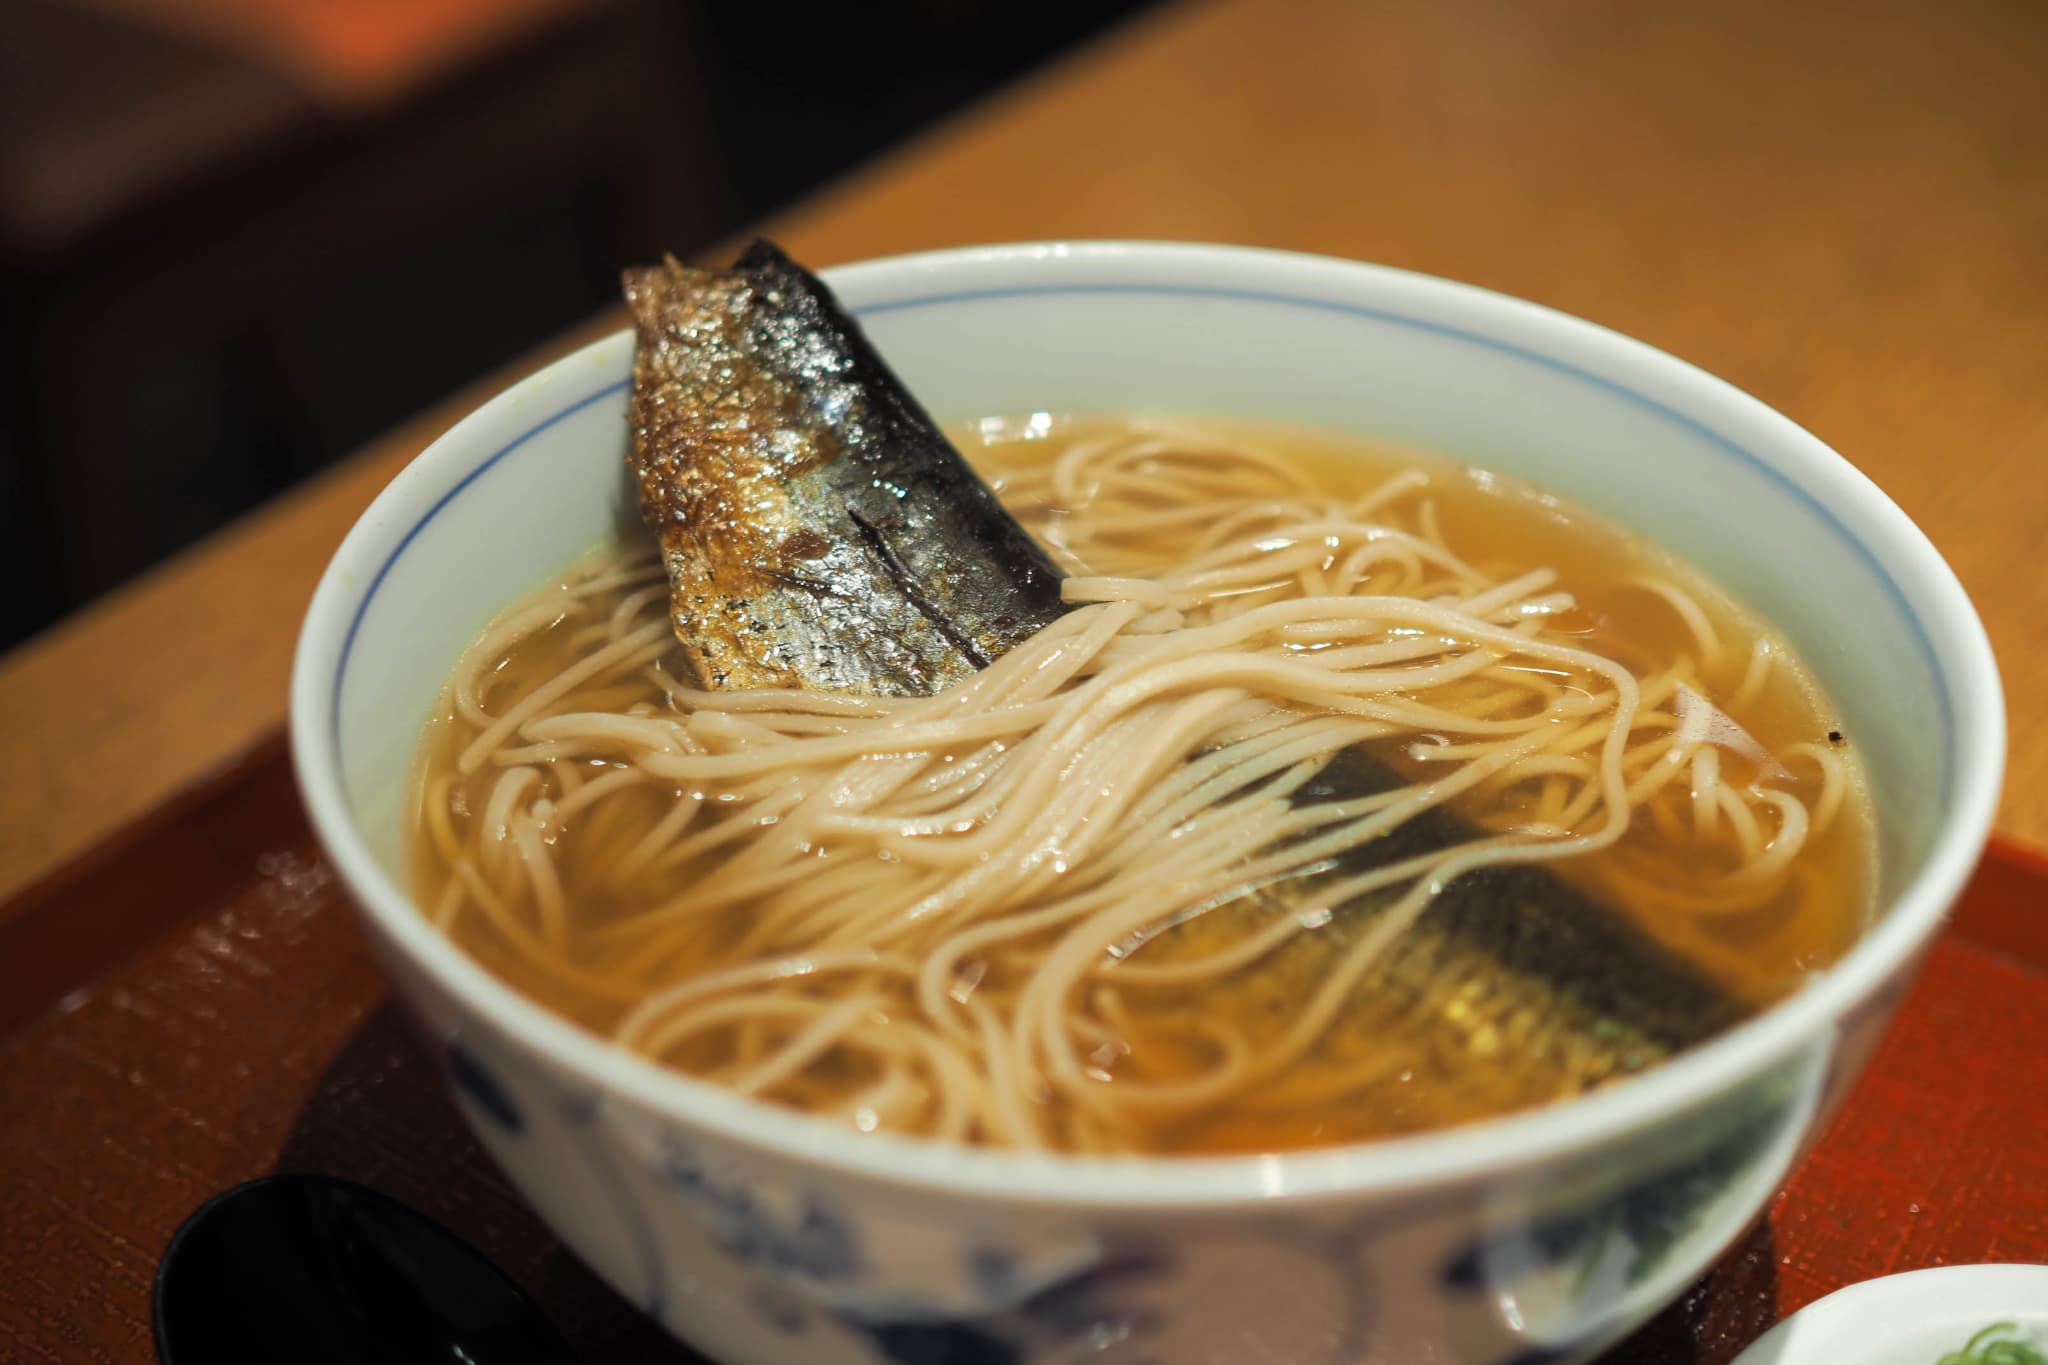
764	1237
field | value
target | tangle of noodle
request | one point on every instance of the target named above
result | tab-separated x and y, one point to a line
988	914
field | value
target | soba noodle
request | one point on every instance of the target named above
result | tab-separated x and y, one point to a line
1028	911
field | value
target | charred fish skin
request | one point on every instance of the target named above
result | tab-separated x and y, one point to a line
821	532
819	529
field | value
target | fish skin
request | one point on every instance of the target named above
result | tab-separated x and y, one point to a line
818	528
924	578
1600	972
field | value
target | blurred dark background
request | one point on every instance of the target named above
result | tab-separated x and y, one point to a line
239	238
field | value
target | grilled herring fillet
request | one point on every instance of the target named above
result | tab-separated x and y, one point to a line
819	529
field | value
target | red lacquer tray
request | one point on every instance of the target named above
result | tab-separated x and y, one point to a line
193	1006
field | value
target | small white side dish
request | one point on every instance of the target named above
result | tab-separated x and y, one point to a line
1911	1319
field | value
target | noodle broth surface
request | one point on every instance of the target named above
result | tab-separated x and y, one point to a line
1069	904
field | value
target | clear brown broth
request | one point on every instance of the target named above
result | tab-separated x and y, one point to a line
1760	956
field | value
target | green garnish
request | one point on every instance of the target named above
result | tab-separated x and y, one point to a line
1982	1352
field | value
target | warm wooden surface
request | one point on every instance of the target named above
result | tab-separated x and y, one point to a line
1841	207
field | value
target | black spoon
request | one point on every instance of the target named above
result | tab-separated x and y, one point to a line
317	1271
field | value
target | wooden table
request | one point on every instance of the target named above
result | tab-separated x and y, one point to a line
1842	208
